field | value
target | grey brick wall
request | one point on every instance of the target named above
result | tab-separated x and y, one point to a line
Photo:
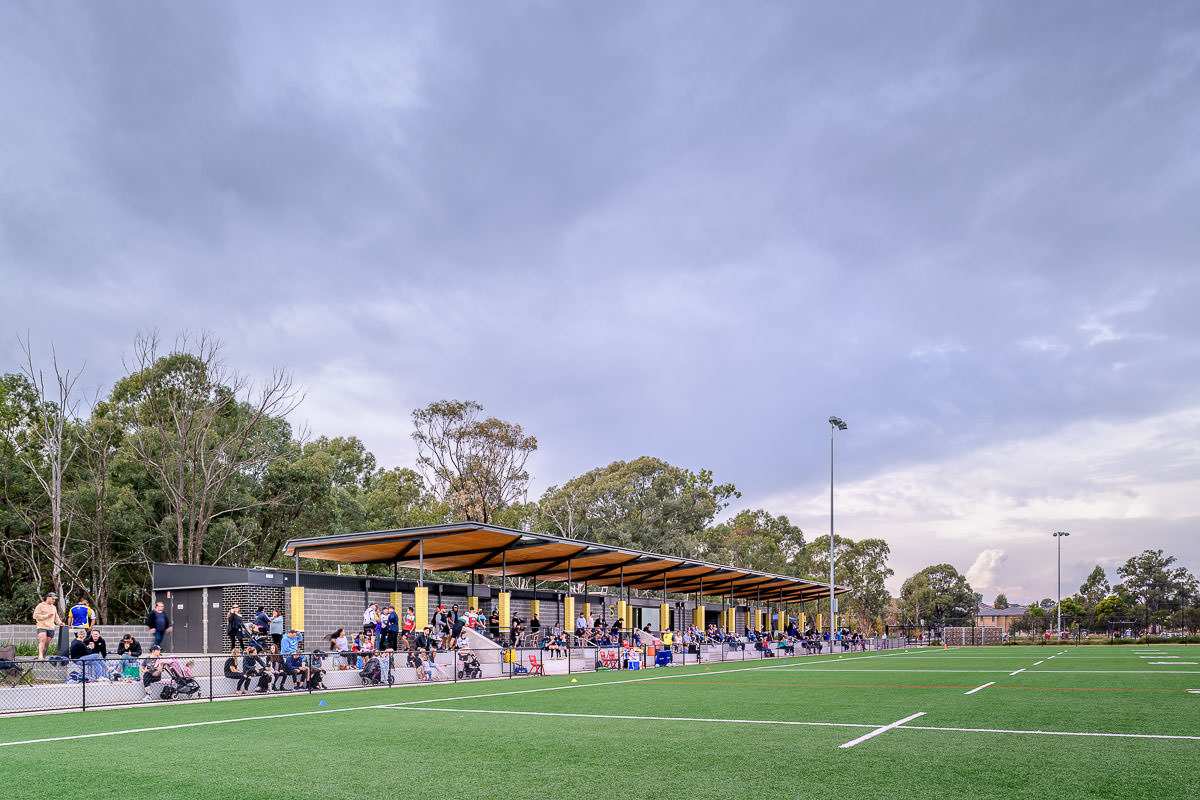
112	634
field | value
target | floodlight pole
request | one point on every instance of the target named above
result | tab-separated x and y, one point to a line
835	424
1058	535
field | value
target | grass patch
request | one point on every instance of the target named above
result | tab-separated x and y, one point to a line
729	731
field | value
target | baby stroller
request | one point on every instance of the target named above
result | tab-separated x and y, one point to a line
375	671
470	667
255	637
182	685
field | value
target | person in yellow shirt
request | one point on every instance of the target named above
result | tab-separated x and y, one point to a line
47	621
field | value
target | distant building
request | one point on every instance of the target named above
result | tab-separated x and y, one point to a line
992	617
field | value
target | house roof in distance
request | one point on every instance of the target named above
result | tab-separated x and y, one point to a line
991	611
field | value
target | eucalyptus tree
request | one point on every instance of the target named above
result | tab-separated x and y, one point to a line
202	431
474	464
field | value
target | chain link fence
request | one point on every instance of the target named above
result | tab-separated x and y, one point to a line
30	685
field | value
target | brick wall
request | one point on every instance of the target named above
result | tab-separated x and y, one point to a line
112	634
248	599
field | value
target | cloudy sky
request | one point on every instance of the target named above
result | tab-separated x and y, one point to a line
691	231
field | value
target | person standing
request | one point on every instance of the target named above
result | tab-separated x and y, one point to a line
391	629
81	615
494	624
262	622
370	618
276	627
45	617
410	619
158	623
235	626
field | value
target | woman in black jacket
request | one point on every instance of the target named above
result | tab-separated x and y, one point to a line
236	627
232	670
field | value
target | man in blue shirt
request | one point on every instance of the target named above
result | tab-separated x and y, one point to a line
291	642
158	623
81	616
391	628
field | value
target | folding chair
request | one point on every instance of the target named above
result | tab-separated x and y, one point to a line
535	666
12	673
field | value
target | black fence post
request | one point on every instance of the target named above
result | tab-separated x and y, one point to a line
211	690
83	679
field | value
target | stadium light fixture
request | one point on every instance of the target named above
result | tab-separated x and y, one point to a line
835	424
1058	535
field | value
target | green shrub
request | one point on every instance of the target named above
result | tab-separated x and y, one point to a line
25	649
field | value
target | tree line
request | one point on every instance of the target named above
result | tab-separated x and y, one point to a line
1155	592
187	460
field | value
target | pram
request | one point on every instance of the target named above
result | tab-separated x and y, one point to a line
376	670
254	637
182	684
470	667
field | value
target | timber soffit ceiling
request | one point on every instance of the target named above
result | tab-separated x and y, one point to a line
492	550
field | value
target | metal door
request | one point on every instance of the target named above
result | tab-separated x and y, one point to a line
187	616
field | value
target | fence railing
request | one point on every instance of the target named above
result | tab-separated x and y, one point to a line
29	685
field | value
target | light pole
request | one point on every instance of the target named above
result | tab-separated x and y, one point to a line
835	424
1058	535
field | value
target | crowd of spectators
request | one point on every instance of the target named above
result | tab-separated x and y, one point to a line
264	657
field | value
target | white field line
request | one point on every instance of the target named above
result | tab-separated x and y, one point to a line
878	731
1053	733
773	667
857	672
1018	672
394	705
898	725
1039	662
1170	663
183	725
634	717
977	688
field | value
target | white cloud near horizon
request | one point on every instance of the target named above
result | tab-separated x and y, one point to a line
1118	486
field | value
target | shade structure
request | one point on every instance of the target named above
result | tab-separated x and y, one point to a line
493	550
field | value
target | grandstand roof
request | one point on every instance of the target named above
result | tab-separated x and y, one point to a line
493	550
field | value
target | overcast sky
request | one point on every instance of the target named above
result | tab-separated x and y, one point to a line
691	231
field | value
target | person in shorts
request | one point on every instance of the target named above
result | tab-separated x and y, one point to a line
47	621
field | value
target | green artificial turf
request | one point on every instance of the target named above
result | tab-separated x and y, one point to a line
599	737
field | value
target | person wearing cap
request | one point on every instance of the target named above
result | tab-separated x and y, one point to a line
370	618
152	669
45	617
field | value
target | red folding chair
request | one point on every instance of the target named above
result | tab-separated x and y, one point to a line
535	666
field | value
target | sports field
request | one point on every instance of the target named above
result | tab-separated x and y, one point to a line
1023	722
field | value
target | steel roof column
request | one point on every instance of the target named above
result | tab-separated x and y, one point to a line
568	607
622	606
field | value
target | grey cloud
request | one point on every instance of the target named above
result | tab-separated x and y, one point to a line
650	228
